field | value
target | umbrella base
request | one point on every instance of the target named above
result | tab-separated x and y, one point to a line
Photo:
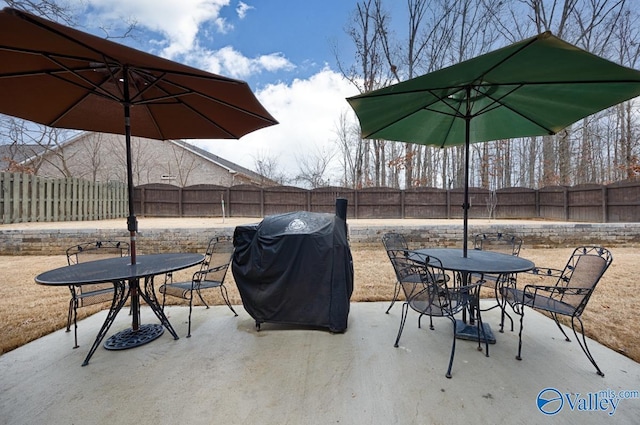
129	338
470	332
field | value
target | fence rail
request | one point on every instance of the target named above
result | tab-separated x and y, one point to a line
27	198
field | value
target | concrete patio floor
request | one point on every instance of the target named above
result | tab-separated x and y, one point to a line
227	372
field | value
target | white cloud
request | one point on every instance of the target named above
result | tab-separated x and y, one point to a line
230	62
178	21
308	112
178	24
242	9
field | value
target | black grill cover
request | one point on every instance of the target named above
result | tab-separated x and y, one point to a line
295	268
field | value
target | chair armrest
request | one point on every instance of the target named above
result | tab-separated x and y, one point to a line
546	272
202	273
531	291
465	290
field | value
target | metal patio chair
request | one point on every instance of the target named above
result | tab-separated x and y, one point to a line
567	293
392	243
212	273
434	297
505	243
85	295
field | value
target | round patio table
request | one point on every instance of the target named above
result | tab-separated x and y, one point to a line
119	270
477	262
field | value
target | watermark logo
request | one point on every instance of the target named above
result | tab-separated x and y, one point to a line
551	401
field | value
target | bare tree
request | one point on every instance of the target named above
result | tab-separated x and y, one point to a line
181	164
366	28
350	147
268	166
313	168
50	9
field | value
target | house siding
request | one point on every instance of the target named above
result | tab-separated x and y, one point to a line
101	157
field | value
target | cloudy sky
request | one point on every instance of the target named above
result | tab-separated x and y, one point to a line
284	49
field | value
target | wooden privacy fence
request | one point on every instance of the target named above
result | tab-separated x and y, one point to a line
27	198
614	203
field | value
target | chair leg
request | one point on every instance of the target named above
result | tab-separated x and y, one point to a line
190	309
453	348
75	323
502	315
403	319
70	315
519	357
396	293
480	330
430	321
555	318
201	298
225	297
502	303
164	296
583	343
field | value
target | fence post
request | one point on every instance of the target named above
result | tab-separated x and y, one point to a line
605	202
356	204
6	198
17	178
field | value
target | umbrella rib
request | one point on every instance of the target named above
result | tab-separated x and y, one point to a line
56	73
177	96
437	98
186	91
497	102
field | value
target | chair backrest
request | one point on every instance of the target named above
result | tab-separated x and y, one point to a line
96	250
394	241
217	259
499	242
89	251
432	294
582	273
407	270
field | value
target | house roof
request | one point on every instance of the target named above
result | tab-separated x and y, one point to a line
18	153
231	166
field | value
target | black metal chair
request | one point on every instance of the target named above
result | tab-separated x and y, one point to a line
566	295
96	293
392	243
505	243
434	296
212	273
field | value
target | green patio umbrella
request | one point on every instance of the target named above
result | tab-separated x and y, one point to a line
531	88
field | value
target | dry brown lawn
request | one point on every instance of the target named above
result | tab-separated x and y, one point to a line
29	311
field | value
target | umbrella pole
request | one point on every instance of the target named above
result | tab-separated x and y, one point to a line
465	205
132	223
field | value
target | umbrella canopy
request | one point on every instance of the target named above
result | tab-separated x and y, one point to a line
57	76
534	87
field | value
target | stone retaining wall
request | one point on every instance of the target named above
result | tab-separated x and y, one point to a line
534	234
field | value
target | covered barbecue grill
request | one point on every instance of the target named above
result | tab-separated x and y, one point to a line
295	268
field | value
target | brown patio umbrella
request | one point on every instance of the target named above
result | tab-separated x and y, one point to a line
61	77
